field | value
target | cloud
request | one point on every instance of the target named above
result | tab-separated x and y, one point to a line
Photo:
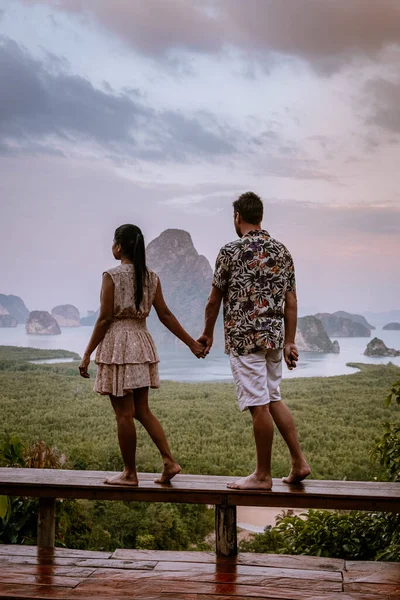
52	110
325	33
385	97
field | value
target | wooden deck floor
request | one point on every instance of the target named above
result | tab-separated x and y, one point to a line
26	572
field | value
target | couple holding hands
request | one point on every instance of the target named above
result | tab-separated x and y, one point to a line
254	279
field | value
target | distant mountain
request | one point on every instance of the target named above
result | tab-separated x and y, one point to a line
312	337
66	315
377	347
90	320
40	322
355	318
340	327
381	318
15	307
392	327
186	278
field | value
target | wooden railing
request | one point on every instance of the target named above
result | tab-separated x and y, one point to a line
49	484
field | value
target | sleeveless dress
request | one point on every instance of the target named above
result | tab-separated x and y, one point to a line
127	357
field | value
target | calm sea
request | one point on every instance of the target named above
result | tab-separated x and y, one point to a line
178	364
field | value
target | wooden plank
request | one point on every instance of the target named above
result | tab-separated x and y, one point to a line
215	577
251	559
46	533
12	590
250	570
371	572
379	589
116	564
46	570
35	560
87	479
291	562
20	550
305	596
226	530
165	555
48	580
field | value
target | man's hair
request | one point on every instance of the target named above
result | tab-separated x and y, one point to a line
250	208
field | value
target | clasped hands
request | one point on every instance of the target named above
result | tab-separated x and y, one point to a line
201	347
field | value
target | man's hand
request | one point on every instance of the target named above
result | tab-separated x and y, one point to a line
198	349
291	355
207	341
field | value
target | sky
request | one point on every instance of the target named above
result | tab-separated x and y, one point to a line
160	113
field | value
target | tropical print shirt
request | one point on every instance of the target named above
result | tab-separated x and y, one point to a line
254	274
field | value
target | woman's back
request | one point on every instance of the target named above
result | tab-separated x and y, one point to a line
125	292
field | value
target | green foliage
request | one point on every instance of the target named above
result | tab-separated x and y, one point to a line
207	432
341	415
353	535
387	450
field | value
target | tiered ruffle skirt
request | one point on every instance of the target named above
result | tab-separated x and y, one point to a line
126	359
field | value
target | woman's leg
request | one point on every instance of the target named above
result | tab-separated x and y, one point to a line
124	409
153	427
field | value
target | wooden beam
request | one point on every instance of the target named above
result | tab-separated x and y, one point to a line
47	523
226	530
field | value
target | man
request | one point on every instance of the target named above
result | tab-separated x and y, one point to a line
255	279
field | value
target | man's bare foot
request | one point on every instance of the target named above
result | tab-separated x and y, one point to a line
297	474
128	479
170	470
252	482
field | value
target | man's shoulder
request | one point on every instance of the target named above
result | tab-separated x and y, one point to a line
279	247
230	247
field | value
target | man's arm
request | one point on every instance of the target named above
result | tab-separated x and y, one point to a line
212	312
290	318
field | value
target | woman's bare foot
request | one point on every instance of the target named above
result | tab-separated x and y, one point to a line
129	479
252	482
170	470
297	474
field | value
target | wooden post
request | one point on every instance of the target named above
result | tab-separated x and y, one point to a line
225	530
47	523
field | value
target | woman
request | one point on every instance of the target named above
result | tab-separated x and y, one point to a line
126	357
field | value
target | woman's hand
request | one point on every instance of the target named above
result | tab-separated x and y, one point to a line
83	367
197	349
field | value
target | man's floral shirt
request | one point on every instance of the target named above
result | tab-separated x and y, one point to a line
254	274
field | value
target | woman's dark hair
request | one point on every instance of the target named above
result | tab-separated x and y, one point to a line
131	240
250	208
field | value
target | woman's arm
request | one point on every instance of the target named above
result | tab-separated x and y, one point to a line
171	322
103	322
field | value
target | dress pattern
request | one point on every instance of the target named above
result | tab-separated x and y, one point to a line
127	357
254	274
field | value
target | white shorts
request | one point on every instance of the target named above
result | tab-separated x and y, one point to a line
257	377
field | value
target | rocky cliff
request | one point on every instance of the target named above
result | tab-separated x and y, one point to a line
312	337
66	315
91	319
15	307
377	347
392	327
356	318
186	278
40	322
341	327
6	320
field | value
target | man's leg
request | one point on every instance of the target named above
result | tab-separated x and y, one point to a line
124	412
284	420
153	427
249	373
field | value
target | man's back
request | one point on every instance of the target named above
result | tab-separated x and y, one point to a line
254	274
